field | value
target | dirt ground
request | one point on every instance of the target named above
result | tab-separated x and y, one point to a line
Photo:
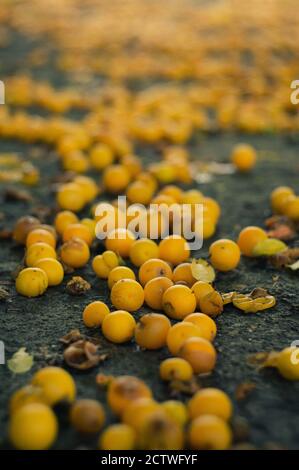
271	409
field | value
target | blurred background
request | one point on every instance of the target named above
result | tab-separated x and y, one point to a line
143	76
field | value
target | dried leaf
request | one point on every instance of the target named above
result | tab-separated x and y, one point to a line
103	380
269	247
202	270
5	234
77	286
215	168
203	178
243	390
280	227
281	260
227	297
282	232
20	362
4	294
83	355
13	194
71	337
258	292
256	301
189	388
294	266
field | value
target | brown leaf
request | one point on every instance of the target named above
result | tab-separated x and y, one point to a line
83	355
4	294
281	260
189	388
258	292
244	389
13	194
280	227
294	266
5	234
71	337
77	286
103	380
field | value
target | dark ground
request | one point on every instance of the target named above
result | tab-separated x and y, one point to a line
272	408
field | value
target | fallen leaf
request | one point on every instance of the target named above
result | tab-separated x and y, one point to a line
103	380
256	301
215	168
258	292
13	194
83	355
243	390
4	294
77	286
294	266
280	227
269	247
71	337
20	362
227	297
189	388
284	259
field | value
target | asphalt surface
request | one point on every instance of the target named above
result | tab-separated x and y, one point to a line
271	409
